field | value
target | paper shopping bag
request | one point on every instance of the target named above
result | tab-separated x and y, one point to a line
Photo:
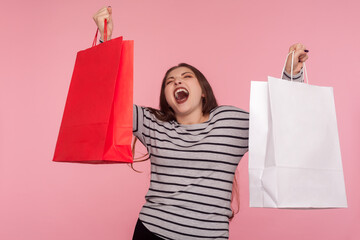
294	150
97	122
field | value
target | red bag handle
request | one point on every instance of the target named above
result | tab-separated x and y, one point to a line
105	33
105	30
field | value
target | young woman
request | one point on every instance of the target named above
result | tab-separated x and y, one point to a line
194	147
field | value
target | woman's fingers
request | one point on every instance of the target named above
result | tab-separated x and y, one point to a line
304	58
299	50
296	47
100	12
103	9
101	15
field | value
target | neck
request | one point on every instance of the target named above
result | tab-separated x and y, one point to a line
194	117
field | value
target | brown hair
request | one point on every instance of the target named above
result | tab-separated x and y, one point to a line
166	114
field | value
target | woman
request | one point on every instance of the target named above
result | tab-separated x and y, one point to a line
194	147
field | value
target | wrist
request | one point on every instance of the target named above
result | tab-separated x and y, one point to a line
102	38
289	71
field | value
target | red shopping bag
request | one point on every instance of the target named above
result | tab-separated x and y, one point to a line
97	122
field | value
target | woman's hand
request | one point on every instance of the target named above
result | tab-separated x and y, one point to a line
300	56
99	16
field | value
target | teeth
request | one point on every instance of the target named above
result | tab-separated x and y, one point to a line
180	90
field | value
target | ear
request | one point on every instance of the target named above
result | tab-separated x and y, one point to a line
202	95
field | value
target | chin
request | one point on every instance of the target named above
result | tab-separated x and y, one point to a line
185	108
182	110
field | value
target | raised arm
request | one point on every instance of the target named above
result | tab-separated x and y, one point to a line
300	56
99	16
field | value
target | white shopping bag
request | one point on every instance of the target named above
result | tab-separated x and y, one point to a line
294	150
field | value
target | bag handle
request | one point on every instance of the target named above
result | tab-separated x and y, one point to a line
292	66
105	33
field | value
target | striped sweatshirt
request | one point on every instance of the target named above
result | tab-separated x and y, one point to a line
192	171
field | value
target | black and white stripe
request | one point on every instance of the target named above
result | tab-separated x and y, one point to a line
297	77
192	171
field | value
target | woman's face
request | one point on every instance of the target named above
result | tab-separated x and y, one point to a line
183	92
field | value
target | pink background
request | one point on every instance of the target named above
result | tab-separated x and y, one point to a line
231	42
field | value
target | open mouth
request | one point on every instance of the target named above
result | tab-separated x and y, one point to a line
181	95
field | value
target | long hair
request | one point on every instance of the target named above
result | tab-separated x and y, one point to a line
166	114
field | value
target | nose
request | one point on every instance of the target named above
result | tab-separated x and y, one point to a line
177	81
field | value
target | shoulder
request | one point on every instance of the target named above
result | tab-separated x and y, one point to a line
229	110
144	111
229	113
229	116
149	114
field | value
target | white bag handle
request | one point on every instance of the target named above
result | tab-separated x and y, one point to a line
292	64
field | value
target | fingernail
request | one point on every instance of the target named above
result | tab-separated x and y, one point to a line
306	50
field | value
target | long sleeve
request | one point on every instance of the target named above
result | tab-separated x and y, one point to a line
296	78
139	129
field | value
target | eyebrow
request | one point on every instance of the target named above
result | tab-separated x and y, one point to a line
181	74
